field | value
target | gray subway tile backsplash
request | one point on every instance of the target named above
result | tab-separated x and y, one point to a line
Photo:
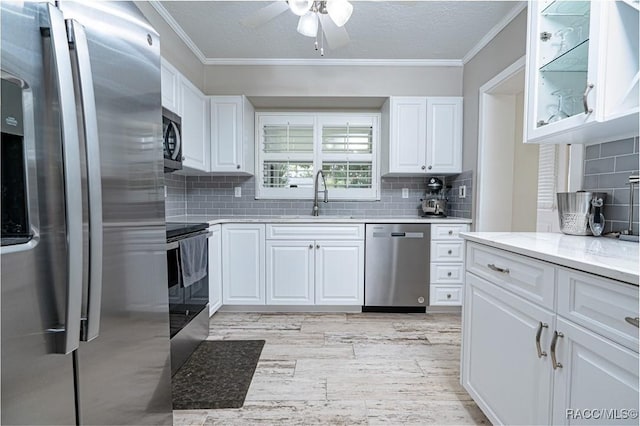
214	196
607	169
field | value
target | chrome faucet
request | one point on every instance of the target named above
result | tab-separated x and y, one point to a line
315	210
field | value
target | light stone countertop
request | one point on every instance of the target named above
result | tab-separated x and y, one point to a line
608	257
213	220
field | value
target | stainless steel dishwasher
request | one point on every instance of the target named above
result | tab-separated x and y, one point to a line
397	267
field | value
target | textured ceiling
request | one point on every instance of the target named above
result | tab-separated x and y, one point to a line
378	29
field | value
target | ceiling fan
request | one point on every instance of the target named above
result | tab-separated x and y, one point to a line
317	17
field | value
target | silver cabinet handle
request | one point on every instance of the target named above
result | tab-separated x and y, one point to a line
497	269
554	341
448	274
318	246
238	167
451	232
448	296
423	167
449	252
430	167
310	246
633	321
53	27
585	101
541	325
79	46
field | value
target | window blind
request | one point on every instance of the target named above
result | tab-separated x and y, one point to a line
547	177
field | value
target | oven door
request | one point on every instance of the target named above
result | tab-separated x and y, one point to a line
185	303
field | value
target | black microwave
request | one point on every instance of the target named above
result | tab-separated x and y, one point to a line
171	141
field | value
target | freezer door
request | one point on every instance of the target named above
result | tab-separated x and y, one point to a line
124	372
37	377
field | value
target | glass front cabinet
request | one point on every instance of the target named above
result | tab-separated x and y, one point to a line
582	71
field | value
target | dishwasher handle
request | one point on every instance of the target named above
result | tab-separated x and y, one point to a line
398	234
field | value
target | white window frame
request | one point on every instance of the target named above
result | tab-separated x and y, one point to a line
318	119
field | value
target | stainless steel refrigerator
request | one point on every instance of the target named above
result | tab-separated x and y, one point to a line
85	322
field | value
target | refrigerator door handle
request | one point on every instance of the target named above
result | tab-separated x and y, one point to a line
79	47
53	27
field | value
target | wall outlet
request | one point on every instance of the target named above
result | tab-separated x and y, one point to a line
237	191
405	192
462	191
165	191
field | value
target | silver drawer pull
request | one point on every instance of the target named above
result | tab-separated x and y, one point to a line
541	325
554	362
497	269
633	321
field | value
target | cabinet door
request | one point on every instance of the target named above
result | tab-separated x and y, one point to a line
170	87
215	269
226	134
444	135
501	367
596	375
195	139
408	130
561	63
339	272
243	264
290	272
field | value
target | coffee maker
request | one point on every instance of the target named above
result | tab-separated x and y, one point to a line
434	202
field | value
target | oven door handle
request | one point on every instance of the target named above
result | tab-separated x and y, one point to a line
175	244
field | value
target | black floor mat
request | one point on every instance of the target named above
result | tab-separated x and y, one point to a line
216	375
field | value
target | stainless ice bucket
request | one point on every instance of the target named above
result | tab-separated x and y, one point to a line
574	209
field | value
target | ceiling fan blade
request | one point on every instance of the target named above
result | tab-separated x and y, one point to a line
265	14
336	36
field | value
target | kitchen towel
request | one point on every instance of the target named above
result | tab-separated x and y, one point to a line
193	259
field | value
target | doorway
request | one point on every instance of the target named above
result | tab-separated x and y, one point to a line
507	168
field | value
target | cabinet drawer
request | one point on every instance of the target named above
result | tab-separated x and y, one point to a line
447	232
315	232
445	295
600	305
447	251
531	279
446	273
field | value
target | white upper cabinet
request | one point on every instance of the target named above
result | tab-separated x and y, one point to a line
422	135
232	135
170	86
408	135
582	71
444	135
195	127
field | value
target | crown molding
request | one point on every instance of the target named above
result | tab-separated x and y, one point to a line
337	62
164	13
493	32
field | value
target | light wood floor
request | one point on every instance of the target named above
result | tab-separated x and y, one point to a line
366	368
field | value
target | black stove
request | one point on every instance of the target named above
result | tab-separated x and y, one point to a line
177	229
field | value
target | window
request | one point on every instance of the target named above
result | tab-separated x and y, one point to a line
292	147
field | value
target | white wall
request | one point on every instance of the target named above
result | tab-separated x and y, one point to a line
525	176
294	80
172	48
505	49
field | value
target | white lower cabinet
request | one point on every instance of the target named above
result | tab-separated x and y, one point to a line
290	272
595	374
339	272
565	358
447	264
215	269
243	264
502	370
315	264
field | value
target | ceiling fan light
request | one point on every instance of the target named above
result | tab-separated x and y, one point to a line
340	11
308	24
300	7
